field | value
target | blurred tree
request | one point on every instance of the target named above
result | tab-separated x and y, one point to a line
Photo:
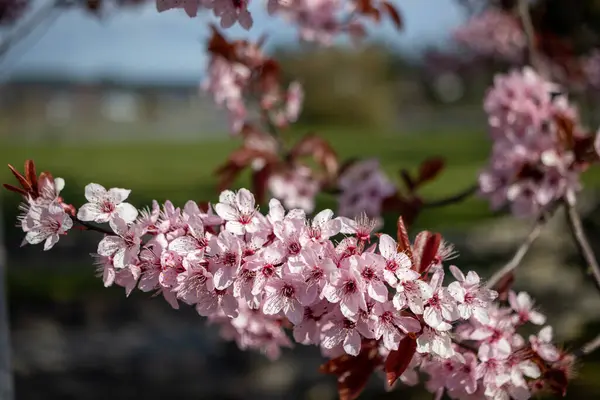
344	86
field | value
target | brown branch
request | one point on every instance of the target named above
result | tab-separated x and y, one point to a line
28	26
534	233
91	227
524	14
581	240
457	198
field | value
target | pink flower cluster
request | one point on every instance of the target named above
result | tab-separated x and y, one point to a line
227	11
498	363
364	187
317	20
257	275
233	81
530	166
493	33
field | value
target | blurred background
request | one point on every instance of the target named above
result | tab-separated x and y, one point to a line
116	100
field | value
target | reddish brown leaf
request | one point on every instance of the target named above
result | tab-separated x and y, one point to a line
22	180
320	150
391	10
565	131
238	161
557	381
14	189
260	179
408	180
503	286
430	250
220	46
31	175
403	239
429	169
353	373
397	361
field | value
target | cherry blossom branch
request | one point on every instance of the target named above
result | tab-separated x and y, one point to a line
457	198
91	227
30	25
588	348
581	240
274	132
534	233
523	8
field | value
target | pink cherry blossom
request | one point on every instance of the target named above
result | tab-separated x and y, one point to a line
542	344
287	295
227	259
347	289
493	33
522	304
441	308
103	205
45	224
239	210
124	246
390	326
345	332
411	292
394	260
471	297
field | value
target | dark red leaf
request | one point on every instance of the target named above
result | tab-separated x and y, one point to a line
393	13
403	239
430	250
503	286
397	361
22	180
31	175
14	189
259	182
557	381
429	169
320	150
353	373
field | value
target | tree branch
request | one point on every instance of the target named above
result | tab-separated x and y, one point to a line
28	26
585	249
588	348
91	227
534	233
532	56
457	198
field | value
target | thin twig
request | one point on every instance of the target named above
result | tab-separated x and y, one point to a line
588	348
457	198
532	56
274	132
585	249
91	227
534	233
28	26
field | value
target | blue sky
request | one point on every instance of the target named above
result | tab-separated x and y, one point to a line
144	44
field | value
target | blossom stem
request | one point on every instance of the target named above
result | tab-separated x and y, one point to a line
274	132
523	8
534	233
583	244
91	227
457	198
30	25
588	348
